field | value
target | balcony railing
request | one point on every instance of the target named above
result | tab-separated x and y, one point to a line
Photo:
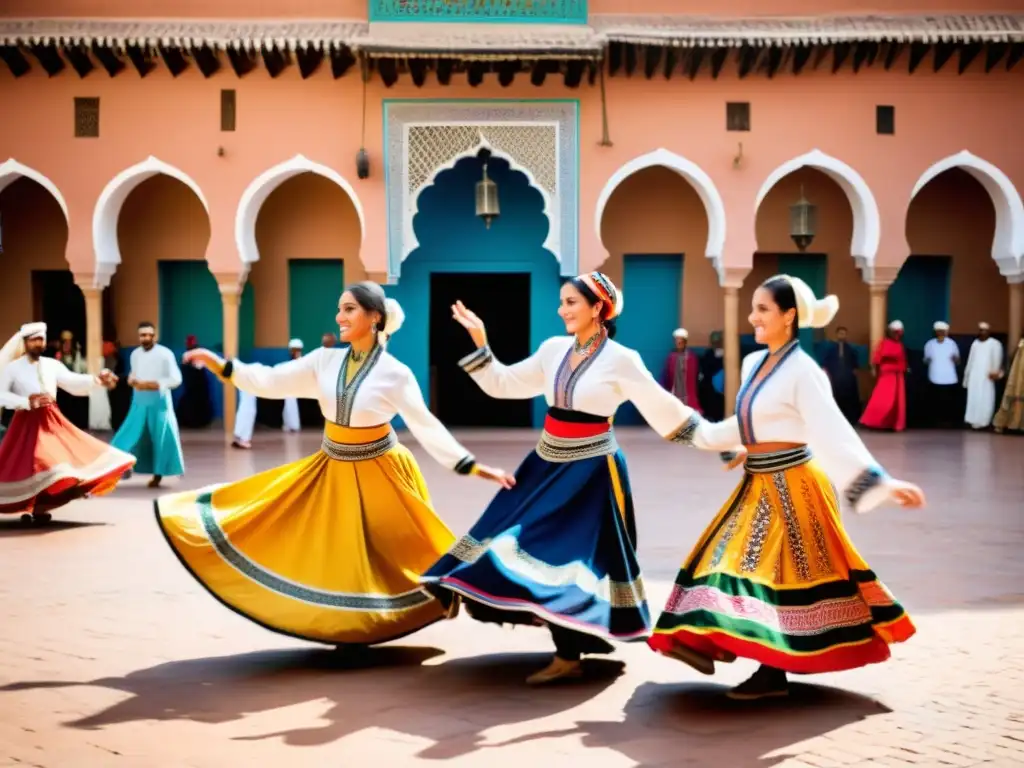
517	11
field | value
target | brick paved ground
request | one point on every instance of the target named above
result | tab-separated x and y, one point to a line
110	655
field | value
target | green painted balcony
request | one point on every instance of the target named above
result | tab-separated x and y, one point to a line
509	11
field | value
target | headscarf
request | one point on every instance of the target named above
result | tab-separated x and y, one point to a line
611	297
811	312
940	325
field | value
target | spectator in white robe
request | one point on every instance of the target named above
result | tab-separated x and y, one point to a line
291	419
984	369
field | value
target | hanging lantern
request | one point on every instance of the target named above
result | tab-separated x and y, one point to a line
803	222
487	199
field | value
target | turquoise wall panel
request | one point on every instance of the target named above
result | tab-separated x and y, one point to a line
652	285
452	239
920	296
314	286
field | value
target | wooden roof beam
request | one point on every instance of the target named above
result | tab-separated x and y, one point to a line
15	60
207	59
918	51
79	58
342	60
108	59
174	59
242	61
801	55
309	59
943	53
275	60
141	59
994	52
968	53
49	58
1016	53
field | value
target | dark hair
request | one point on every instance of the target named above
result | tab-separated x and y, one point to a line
146	325
370	297
841	328
592	298
785	297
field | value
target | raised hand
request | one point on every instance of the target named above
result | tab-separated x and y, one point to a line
107	379
907	495
499	476
204	358
473	324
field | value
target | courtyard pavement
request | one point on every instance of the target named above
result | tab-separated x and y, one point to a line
112	656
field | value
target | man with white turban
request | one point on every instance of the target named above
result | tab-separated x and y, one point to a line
45	460
679	376
984	369
942	355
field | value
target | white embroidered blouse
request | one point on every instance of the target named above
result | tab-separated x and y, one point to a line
382	388
601	383
23	378
788	399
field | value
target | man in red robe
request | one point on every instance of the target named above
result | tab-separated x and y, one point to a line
681	368
887	408
45	460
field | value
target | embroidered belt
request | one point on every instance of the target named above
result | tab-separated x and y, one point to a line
359	451
560	450
777	461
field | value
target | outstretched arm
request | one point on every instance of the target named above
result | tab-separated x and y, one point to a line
668	416
521	381
294	378
841	452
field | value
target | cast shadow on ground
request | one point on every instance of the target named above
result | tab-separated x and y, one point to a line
14	527
450	704
695	725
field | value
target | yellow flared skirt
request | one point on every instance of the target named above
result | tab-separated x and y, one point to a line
775	578
322	549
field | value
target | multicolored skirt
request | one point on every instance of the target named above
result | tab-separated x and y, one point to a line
46	462
150	433
775	578
559	547
327	549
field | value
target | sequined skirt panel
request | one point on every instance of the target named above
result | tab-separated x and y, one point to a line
775	578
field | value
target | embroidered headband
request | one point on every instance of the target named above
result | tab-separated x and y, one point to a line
605	290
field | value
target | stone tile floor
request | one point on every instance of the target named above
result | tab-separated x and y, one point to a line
110	655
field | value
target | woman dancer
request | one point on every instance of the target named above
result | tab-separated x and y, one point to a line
329	548
559	547
775	578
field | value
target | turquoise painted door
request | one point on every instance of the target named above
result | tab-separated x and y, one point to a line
314	286
652	285
812	268
190	304
920	296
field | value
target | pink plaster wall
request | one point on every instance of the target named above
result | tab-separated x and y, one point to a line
177	120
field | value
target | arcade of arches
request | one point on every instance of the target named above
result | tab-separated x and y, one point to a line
654	227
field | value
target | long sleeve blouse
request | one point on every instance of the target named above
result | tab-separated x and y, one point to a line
23	378
382	388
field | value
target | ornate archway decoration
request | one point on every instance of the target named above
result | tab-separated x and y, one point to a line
108	209
867	220
698	179
11	170
260	189
1008	243
538	138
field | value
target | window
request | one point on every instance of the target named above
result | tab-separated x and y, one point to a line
885	120
227	110
737	116
87	117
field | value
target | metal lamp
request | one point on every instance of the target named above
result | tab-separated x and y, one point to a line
803	222
487	199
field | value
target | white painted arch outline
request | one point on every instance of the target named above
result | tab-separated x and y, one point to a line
1008	243
552	243
695	175
110	202
259	190
11	170
867	221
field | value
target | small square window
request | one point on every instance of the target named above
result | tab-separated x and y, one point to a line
227	110
737	116
885	120
87	117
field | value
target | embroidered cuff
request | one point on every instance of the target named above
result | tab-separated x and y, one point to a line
465	465
687	431
866	481
727	456
477	360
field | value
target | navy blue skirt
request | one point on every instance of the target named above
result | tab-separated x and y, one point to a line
558	548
